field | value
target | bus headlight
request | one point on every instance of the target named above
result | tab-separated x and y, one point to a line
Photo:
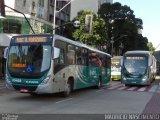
144	78
46	80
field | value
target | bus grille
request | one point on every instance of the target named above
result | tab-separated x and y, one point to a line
29	88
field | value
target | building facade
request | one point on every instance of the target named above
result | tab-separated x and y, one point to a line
62	16
37	8
38	12
93	5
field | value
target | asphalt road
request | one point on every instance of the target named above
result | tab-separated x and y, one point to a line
86	101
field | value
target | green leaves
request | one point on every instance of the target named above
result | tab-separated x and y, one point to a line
125	23
98	34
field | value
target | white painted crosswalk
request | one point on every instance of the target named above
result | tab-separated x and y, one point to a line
116	85
2	85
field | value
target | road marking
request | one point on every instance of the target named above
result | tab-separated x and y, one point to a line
64	100
119	86
122	87
2	87
115	87
142	89
132	88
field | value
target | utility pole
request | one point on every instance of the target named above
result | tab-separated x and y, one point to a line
54	16
55	12
2	9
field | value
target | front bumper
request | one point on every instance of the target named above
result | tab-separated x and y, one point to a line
135	81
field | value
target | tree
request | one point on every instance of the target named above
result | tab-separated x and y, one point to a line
98	36
150	46
122	21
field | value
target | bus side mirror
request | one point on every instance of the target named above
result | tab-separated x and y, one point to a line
5	53
56	52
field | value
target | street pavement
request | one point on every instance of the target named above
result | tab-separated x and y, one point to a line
114	98
116	85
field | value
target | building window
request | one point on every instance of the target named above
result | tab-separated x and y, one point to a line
33	9
51	18
24	3
51	2
40	12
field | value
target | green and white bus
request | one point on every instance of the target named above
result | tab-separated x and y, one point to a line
44	63
138	67
116	67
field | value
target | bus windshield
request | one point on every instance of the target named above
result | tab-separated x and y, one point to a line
29	60
135	65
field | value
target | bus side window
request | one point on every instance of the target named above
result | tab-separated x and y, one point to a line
108	62
78	56
103	59
94	60
61	57
85	57
70	55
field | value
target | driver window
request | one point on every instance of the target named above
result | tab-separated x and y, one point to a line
61	59
59	63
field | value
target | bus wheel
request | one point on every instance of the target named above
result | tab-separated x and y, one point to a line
67	92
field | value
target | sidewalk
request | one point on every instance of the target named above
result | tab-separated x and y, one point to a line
2	80
153	106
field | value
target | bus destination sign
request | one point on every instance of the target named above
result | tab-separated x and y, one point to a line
30	39
136	57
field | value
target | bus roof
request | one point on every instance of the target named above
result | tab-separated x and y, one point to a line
139	52
79	44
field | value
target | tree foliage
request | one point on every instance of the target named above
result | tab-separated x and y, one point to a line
97	37
122	21
150	47
114	21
